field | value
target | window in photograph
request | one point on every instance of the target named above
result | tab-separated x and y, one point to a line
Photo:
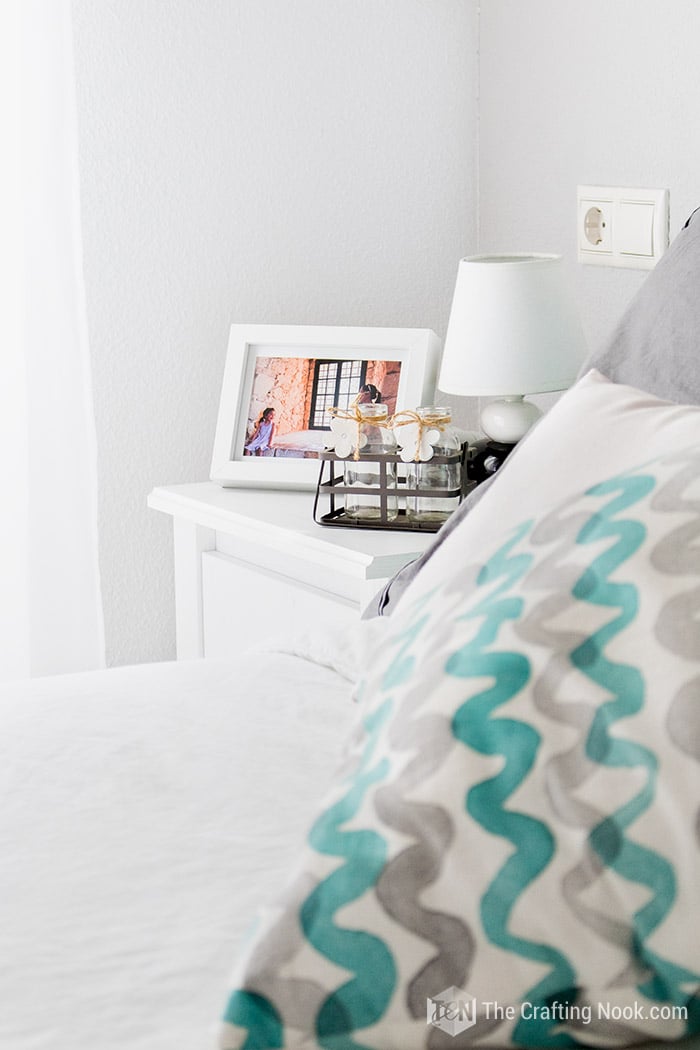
336	385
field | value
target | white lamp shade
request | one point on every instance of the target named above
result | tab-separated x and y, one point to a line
513	329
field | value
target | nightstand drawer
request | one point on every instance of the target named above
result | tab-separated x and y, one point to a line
244	606
330	573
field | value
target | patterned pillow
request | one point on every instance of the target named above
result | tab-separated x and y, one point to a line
511	854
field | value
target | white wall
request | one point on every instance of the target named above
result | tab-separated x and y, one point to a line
601	91
251	160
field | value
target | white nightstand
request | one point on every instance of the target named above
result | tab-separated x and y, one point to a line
251	564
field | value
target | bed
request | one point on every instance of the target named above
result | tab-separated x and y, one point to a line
127	881
474	821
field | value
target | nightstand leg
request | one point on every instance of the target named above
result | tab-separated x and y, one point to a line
190	541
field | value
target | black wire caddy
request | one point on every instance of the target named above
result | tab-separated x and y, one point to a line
331	491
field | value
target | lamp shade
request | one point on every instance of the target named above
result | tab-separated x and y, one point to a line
513	329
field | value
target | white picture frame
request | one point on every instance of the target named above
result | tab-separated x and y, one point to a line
270	366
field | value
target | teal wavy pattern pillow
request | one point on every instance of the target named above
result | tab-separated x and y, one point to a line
515	832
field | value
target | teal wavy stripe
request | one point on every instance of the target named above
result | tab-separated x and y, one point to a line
634	862
362	1000
258	1015
403	663
518	743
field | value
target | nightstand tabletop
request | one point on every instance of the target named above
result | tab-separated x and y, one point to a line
284	520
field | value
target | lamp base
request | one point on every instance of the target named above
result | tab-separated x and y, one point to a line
509	419
487	460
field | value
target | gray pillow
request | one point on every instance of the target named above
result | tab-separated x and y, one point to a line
655	347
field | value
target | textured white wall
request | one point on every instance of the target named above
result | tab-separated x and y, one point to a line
251	160
599	92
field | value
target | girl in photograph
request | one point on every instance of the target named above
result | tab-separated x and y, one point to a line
261	439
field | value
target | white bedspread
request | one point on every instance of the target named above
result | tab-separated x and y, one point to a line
146	813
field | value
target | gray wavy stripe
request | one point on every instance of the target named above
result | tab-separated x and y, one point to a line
297	1000
552	575
678	625
683	726
683	720
678	554
568	771
431	830
672	496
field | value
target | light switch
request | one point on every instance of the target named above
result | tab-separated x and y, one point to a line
634	230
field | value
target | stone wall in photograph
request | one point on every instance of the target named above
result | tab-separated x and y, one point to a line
286	384
282	383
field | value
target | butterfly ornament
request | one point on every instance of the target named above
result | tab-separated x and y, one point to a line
346	437
414	438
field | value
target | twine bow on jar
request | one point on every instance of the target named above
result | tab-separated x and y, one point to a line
347	435
418	434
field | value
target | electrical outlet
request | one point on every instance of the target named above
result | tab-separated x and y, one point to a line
595	225
617	226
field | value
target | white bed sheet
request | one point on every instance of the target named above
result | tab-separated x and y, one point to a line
146	813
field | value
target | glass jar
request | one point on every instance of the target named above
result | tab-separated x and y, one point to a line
430	474
365	474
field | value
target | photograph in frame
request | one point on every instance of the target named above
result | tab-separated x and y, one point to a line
280	382
291	397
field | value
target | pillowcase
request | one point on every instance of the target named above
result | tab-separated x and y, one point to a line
511	850
654	348
655	345
595	429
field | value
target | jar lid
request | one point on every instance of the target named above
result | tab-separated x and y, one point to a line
435	412
370	411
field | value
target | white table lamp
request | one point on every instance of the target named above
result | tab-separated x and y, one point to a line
513	330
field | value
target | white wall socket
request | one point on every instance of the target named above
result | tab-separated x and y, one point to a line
618	226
